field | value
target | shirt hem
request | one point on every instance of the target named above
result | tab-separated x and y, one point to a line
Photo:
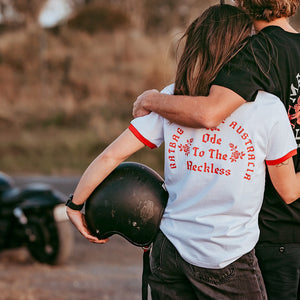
282	159
141	138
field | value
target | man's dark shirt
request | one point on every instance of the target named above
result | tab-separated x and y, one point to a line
271	62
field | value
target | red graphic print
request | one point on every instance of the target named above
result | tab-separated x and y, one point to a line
296	114
186	147
235	155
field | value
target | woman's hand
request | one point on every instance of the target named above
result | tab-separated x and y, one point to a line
78	220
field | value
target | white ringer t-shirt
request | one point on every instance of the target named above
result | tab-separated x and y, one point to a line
215	177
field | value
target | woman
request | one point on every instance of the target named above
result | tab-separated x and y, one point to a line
215	178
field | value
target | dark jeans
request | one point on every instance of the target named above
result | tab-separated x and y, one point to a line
172	278
280	266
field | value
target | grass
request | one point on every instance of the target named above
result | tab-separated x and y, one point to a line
61	105
65	152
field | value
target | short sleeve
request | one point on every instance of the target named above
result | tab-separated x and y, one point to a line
282	144
148	129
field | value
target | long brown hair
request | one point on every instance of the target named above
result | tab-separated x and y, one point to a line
211	41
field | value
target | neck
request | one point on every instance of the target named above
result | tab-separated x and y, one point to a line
281	22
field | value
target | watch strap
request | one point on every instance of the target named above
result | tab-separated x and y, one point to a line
72	205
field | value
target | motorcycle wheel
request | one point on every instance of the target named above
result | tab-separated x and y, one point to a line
49	241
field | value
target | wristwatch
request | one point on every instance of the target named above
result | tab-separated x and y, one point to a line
72	205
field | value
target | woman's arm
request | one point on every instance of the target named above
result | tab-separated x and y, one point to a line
124	146
285	180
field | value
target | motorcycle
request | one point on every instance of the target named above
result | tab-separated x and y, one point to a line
34	216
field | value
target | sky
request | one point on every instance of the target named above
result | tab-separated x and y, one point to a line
54	12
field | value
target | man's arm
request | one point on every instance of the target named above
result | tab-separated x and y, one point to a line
196	112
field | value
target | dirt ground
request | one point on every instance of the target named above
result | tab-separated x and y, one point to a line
105	272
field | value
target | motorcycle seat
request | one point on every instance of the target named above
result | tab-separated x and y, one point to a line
10	197
14	195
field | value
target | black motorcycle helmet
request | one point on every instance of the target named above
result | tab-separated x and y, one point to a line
129	202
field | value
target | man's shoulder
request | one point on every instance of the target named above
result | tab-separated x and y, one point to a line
259	41
273	36
261	47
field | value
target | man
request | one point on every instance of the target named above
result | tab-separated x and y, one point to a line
270	62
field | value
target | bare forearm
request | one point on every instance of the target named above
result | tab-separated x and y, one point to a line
94	174
105	163
182	110
196	112
294	190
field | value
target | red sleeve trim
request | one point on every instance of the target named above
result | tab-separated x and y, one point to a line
140	137
282	159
